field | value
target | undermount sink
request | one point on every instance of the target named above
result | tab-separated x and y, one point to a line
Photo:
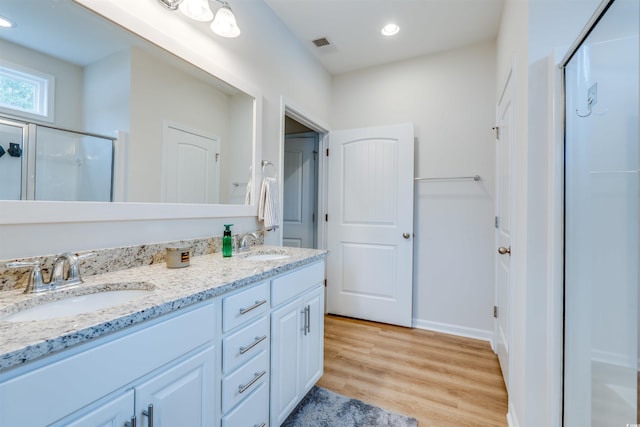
77	303
267	257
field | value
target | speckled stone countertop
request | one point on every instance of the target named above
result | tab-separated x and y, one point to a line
207	276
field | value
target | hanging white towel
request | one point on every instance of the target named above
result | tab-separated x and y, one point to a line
268	203
247	194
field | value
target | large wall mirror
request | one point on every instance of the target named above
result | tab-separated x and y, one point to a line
120	119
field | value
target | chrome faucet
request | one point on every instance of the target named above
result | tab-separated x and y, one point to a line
65	272
244	242
61	276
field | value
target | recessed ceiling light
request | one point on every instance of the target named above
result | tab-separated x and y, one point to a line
6	22
390	29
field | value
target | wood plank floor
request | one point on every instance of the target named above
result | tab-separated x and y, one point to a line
441	380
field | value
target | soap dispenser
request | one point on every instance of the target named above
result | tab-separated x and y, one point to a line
227	241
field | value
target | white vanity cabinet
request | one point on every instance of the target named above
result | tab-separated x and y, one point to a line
170	362
245	357
297	337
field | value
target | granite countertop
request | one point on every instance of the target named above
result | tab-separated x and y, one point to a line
207	276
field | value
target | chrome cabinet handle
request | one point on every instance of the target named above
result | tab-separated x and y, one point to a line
262	424
254	306
305	326
149	413
257	341
131	423
308	320
243	387
503	251
406	235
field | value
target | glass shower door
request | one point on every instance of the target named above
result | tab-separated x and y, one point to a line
601	223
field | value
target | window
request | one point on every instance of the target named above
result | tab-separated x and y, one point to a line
25	92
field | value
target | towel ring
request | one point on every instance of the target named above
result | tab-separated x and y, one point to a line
266	163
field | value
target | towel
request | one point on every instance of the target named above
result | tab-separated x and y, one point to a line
268	209
247	193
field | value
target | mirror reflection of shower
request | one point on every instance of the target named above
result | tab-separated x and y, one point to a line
45	163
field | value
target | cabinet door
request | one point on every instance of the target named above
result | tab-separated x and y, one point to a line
114	413
286	342
312	360
182	395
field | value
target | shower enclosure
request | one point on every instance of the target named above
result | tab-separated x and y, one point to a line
601	222
39	162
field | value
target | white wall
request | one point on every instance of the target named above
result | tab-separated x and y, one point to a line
107	84
450	99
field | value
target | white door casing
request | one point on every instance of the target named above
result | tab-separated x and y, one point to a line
370	224
191	172
300	193
504	208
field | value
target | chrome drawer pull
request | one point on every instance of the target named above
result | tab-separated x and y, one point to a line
256	305
149	413
243	387
131	423
258	340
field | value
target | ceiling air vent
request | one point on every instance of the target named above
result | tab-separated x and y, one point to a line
321	42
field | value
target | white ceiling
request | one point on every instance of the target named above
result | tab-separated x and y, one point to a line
353	28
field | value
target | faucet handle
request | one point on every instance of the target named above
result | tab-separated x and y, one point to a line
36	282
74	266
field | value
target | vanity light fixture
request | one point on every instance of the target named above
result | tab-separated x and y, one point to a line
390	29
224	22
6	22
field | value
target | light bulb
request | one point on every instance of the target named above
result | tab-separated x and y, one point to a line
196	9
390	29
224	24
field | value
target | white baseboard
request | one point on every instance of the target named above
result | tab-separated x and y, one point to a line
461	331
512	420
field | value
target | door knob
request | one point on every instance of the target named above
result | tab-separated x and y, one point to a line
503	251
406	235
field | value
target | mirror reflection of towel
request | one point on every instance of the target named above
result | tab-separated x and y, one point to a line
268	203
247	193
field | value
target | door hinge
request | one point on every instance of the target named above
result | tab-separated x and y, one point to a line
496	223
313	217
495	311
326	217
325	283
497	129
327	152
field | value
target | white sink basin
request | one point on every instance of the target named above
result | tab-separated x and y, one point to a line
73	305
267	257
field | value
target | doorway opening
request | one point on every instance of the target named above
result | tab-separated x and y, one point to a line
300	185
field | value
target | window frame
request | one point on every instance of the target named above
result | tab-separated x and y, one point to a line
44	84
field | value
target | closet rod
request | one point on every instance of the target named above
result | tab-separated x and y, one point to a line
475	178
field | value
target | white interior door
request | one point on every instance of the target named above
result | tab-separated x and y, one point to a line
504	184
191	166
370	224
300	200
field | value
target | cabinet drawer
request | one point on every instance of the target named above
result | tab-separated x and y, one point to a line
239	384
254	411
292	284
242	345
245	306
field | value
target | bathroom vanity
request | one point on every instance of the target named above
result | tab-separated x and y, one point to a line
225	342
